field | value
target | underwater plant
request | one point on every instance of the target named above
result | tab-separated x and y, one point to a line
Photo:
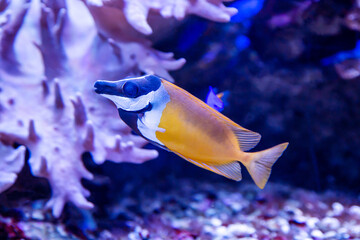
51	54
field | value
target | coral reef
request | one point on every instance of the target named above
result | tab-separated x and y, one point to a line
51	53
11	164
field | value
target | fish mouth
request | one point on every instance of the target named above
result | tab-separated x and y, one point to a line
108	87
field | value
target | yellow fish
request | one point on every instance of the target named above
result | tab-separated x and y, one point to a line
175	120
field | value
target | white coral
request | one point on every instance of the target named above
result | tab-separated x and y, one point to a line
136	11
51	55
54	123
10	165
60	119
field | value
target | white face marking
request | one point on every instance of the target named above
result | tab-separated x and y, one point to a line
148	124
131	104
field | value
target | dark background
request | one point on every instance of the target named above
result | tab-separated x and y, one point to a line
278	87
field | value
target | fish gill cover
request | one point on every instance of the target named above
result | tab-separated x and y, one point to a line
292	69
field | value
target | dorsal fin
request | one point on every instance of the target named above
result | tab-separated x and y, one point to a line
247	139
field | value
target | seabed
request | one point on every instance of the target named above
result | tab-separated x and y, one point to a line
190	209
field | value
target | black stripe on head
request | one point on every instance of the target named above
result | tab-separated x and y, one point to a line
129	87
107	87
130	119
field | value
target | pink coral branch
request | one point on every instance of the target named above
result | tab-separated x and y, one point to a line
10	165
212	10
127	152
4	4
14	18
136	11
51	48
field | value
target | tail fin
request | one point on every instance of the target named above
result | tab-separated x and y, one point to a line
261	162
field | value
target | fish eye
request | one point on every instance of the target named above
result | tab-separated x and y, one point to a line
130	89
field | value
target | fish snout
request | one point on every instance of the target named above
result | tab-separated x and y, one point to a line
107	87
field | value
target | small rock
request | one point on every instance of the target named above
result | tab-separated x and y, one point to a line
182	223
236	207
343	236
342	230
221	231
298	220
133	236
37	215
199	197
309	206
329	235
355	211
239	229
342	233
208	229
61	231
284	225
337	209
322	206
272	225
311	222
317	234
210	212
106	235
277	224
293	211
329	223
355	230
215	222
301	235
27	215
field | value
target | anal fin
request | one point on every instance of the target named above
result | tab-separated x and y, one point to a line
230	170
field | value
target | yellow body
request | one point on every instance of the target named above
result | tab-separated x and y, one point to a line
196	131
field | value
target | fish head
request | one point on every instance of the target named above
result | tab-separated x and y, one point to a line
137	94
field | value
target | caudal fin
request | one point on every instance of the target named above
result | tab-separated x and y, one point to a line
261	162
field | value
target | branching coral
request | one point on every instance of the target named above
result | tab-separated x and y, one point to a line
10	165
51	54
136	11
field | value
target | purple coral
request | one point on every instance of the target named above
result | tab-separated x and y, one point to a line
136	11
10	165
51	54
